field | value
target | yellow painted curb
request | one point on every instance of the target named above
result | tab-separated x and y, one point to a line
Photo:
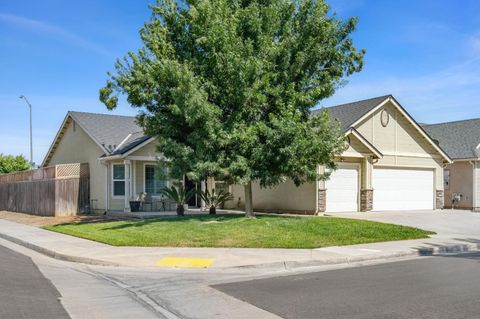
184	262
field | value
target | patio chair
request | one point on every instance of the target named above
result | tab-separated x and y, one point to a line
146	200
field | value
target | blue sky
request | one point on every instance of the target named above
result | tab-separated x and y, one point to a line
424	52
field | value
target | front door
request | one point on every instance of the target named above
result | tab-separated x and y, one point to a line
192	202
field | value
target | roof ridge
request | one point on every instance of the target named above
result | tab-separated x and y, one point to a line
358	101
451	122
105	114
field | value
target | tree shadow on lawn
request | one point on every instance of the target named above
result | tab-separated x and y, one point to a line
206	219
135	223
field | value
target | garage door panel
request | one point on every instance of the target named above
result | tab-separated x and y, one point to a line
342	190
402	189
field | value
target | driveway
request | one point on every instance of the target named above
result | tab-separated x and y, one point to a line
446	223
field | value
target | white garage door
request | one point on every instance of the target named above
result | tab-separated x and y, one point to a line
402	189
342	190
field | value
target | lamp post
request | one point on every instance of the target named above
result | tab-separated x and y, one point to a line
31	143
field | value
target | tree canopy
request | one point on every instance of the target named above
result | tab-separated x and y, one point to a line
228	86
10	163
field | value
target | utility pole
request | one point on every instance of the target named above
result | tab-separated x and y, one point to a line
31	142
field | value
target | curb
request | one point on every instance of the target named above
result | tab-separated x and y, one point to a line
287	265
421	252
59	256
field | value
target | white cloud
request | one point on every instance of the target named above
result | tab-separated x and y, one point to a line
52	31
475	44
446	95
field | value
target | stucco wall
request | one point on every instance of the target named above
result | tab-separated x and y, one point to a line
401	143
284	197
461	181
76	146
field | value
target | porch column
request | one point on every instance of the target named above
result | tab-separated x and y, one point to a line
128	186
202	202
366	193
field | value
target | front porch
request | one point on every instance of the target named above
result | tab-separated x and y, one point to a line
138	181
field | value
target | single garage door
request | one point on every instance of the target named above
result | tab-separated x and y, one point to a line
342	190
402	189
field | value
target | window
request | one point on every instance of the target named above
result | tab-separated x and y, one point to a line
118	177
446	179
154	181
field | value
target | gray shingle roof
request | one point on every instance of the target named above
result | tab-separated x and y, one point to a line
459	139
111	130
349	113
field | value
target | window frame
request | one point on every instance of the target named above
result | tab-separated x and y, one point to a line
167	182
113	179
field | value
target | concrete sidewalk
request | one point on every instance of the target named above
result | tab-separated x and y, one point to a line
75	249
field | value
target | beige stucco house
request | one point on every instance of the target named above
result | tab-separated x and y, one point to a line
461	141
391	163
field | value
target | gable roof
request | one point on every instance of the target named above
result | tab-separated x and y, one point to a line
460	139
114	134
349	113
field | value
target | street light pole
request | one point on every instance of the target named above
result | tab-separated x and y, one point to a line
31	143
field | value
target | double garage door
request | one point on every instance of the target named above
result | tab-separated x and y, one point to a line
394	189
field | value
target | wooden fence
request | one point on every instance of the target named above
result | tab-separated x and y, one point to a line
61	190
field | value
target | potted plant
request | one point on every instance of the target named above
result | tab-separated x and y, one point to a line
179	195
213	200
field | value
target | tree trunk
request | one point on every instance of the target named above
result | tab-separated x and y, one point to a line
213	210
249	200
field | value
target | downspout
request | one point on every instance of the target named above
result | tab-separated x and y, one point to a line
474	186
316	192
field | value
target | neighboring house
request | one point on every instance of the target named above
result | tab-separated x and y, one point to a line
461	141
391	163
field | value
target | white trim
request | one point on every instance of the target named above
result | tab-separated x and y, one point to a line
122	142
134	179
409	118
364	141
144	158
418	155
119	180
139	146
107	193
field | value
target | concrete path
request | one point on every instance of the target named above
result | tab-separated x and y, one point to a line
84	251
460	224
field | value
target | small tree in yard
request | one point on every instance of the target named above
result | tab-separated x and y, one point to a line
227	87
10	164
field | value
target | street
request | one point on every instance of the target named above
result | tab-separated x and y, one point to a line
422	287
434	287
25	292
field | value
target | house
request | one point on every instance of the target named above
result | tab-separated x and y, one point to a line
390	164
121	158
461	141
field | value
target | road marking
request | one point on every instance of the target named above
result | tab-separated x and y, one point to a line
182	262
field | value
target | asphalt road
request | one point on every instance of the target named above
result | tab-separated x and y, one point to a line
24	291
435	287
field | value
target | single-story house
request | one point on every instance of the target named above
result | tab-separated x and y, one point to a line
391	163
461	141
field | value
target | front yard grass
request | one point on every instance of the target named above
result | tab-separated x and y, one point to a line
237	231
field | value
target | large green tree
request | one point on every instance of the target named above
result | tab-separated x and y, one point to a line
10	163
227	87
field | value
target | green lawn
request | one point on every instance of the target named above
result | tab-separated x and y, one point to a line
237	231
